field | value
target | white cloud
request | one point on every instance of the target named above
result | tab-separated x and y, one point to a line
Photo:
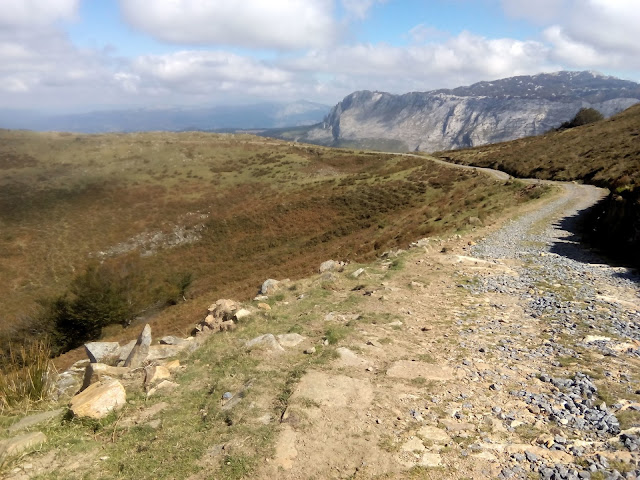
203	73
606	25
460	60
586	33
280	24
18	13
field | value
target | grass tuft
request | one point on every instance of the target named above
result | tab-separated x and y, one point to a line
28	376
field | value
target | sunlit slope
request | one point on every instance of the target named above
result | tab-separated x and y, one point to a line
153	212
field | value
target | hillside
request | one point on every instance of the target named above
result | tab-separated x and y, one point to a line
483	113
121	229
605	153
505	353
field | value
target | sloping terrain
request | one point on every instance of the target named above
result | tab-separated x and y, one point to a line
605	153
146	224
483	113
516	357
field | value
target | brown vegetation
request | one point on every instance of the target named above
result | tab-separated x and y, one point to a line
114	211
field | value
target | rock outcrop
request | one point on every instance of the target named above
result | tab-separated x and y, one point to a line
486	112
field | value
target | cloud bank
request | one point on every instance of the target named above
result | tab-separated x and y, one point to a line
307	56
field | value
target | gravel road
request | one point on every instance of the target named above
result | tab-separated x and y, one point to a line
588	310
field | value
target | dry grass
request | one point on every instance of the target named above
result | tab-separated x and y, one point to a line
257	208
605	153
28	376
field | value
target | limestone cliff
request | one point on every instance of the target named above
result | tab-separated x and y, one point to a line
486	112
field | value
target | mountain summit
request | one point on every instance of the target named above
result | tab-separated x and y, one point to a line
485	112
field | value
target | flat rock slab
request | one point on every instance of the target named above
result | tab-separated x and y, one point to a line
408	370
32	420
453	426
334	391
102	352
140	350
160	352
290	339
350	359
16	445
430	460
264	342
434	434
99	399
96	371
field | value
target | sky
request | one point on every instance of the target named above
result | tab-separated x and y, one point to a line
83	55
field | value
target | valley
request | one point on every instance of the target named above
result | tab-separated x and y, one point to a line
163	221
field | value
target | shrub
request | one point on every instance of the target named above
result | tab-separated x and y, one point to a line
583	117
28	375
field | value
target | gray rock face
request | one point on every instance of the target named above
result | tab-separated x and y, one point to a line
102	352
140	350
486	112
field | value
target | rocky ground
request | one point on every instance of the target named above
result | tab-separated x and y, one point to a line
513	357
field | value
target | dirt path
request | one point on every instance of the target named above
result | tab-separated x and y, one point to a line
513	358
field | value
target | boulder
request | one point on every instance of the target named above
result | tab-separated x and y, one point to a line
225	309
357	273
99	399
11	447
125	351
264	342
67	383
163	385
331	266
242	313
140	350
211	321
155	373
227	326
173	365
102	352
270	286
290	339
96	371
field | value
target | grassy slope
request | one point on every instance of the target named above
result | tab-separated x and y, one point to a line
260	208
606	153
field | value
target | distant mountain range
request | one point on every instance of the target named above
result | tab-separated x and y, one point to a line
483	113
263	115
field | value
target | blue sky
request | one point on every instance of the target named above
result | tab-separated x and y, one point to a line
80	55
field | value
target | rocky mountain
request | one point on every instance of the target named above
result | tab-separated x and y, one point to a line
486	112
264	115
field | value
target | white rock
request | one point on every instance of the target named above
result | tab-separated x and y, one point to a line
265	342
102	352
99	399
290	339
